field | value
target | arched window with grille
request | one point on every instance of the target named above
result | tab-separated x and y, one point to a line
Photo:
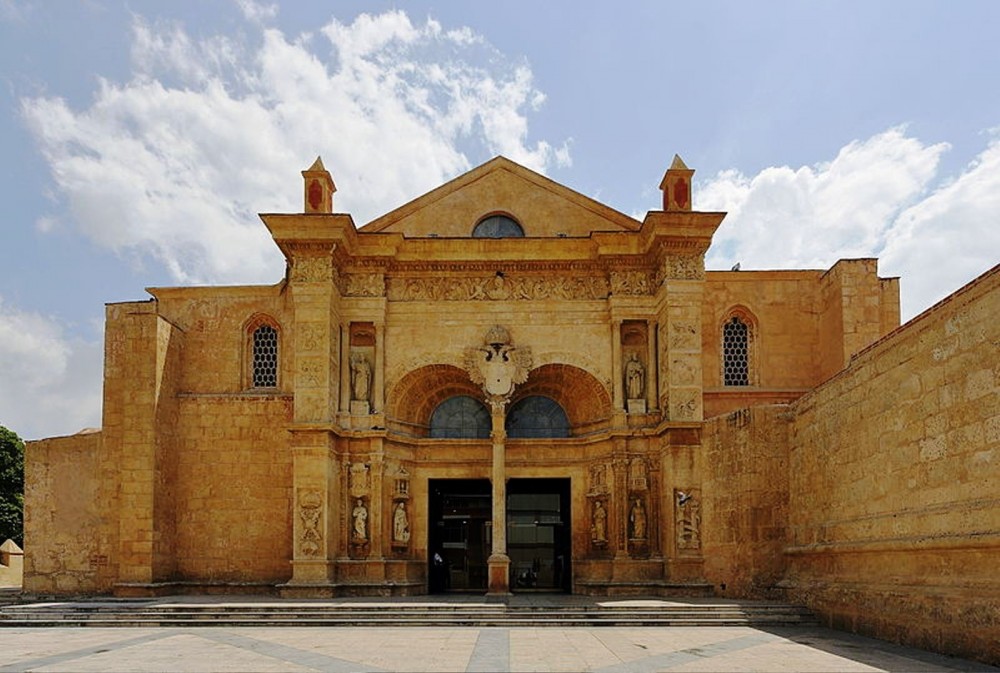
737	350
497	226
536	417
263	349
461	417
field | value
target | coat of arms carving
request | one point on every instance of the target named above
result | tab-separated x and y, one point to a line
498	365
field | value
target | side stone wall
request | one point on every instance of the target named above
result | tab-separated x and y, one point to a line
894	509
66	521
745	510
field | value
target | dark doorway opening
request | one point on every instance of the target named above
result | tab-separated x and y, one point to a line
460	513
539	534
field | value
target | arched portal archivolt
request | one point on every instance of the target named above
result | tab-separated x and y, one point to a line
414	398
585	400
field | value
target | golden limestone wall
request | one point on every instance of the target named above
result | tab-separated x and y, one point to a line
894	466
233	490
805	326
745	511
66	517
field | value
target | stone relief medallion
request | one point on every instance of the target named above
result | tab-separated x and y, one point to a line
310	513
687	519
498	365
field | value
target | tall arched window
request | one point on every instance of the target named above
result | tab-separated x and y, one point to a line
461	417
498	226
264	357
736	344
536	417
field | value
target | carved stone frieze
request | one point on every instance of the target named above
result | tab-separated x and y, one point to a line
683	267
361	284
312	269
631	282
497	288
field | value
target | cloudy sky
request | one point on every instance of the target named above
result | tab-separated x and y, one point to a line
140	139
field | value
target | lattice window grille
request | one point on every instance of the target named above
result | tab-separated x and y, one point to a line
736	353
265	357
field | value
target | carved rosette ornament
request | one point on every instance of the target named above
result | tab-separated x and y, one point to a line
498	365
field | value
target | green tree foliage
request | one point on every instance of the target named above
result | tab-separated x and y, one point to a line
11	487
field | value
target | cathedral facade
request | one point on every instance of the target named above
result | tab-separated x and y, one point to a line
506	386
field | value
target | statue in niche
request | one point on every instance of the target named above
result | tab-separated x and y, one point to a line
638	519
400	524
360	517
635	377
599	529
361	377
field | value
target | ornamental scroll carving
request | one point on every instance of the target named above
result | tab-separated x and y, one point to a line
497	288
312	269
361	284
631	283
683	267
310	512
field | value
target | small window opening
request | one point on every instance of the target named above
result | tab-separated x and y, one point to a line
265	357
736	353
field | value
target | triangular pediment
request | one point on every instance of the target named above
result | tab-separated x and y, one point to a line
543	207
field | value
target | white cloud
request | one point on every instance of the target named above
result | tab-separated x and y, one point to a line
176	162
947	239
874	199
51	384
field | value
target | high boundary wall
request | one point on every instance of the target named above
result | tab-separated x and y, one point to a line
894	466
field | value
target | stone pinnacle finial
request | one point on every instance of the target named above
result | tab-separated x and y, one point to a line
319	188
676	186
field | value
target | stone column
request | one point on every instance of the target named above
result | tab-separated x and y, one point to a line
617	376
652	367
499	562
345	371
378	383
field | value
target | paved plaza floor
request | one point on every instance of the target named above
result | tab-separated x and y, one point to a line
343	649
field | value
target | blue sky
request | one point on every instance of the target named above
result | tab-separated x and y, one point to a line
141	138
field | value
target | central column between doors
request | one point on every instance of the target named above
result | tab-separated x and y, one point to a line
499	561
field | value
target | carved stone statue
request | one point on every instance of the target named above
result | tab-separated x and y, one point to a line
360	517
638	519
635	378
310	503
361	377
400	524
599	528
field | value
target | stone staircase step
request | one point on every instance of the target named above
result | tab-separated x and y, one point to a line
381	614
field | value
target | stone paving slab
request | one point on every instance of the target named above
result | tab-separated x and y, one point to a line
344	649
